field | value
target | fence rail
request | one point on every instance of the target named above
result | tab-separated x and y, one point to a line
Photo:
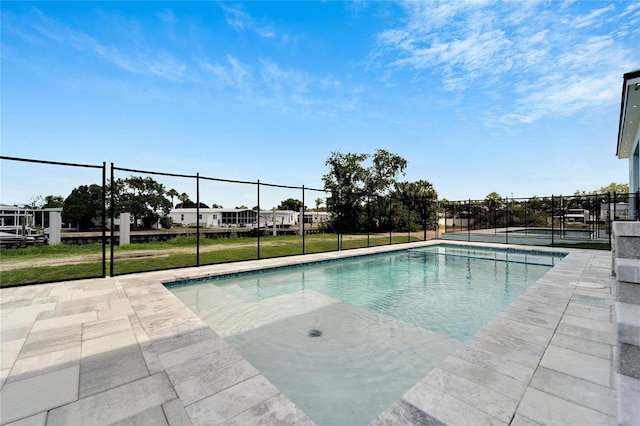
354	221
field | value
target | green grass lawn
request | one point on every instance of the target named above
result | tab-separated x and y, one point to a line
176	253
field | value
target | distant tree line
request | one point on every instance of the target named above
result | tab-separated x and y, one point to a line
365	194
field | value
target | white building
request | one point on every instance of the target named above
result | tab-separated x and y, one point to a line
233	218
315	217
617	211
629	133
15	217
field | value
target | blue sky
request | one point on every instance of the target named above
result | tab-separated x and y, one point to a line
520	97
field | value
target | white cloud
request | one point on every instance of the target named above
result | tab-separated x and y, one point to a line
592	18
232	74
534	55
289	91
143	61
242	21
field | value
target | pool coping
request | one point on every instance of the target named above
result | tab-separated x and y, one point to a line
126	349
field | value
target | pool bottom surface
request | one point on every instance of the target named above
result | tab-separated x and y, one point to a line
352	369
381	323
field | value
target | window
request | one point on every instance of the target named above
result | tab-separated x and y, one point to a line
182	218
200	216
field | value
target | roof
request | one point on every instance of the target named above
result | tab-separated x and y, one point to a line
223	210
629	113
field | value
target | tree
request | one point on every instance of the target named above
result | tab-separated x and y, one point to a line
173	193
144	198
617	188
346	184
53	201
382	175
290	204
493	203
188	204
494	200
351	184
319	202
166	222
420	197
82	206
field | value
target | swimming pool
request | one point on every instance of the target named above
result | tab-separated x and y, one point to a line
585	234
344	339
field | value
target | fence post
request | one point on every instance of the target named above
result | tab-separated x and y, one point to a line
197	219
112	226
339	221
258	218
437	219
104	219
468	227
408	225
526	219
552	223
609	216
390	221
368	220
302	221
506	223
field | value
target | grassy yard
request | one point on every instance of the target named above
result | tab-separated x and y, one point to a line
64	262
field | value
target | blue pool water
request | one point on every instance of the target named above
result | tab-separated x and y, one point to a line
345	339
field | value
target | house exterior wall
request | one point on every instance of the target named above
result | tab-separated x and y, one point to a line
209	218
634	172
223	218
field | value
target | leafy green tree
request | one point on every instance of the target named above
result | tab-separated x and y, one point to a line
420	198
346	183
494	200
290	204
53	201
173	194
166	222
383	173
618	188
144	198
614	188
82	205
188	204
494	203
352	184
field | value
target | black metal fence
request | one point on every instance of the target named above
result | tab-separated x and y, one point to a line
255	232
579	220
99	248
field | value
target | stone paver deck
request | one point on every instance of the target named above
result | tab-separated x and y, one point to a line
125	350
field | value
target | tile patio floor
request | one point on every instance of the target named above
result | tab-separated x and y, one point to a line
125	350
